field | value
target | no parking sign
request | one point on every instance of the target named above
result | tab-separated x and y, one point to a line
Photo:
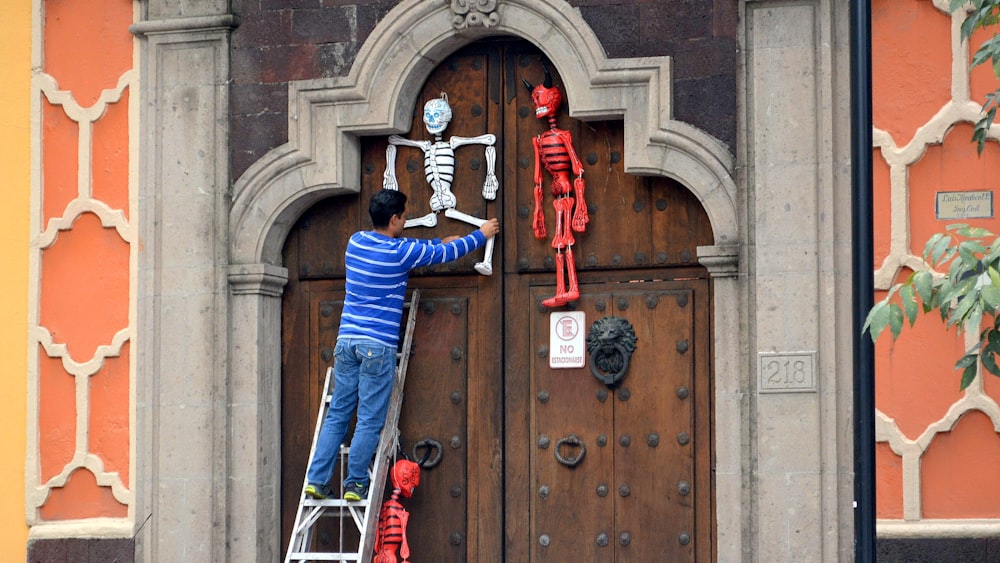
567	346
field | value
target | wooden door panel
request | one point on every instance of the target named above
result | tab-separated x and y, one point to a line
571	506
469	78
635	222
633	495
655	427
435	409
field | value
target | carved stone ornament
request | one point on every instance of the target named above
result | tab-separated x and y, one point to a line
610	343
470	13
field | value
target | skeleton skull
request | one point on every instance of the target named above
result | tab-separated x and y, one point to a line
437	115
405	477
547	101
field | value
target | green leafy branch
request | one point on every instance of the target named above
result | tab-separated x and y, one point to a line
969	291
982	14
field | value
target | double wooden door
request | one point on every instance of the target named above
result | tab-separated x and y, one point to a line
526	462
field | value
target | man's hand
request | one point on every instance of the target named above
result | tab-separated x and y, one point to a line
491	227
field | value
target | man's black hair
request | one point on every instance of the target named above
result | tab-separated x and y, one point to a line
384	204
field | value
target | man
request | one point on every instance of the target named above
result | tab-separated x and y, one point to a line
378	268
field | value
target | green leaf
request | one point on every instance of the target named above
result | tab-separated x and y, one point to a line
968	375
967	307
923	281
994	275
973	233
938	249
992	340
895	320
909	303
982	129
967	360
990	363
878	319
967	250
986	51
991	297
956	271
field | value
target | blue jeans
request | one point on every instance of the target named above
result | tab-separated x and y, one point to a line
364	372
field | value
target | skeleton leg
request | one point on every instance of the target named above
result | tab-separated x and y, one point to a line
389	176
564	294
429	220
563	237
486	266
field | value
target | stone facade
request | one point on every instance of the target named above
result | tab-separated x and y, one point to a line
250	114
784	163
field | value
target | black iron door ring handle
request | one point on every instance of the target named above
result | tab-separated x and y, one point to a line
433	447
571	440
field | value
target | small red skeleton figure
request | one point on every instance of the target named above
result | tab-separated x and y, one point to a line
439	168
554	150
392	519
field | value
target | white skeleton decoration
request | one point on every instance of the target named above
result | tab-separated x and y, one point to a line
439	167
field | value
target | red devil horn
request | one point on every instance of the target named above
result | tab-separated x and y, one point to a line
548	77
527	84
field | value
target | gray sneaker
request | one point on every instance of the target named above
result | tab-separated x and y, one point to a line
355	492
317	492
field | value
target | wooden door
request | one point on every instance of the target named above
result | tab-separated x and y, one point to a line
477	369
614	473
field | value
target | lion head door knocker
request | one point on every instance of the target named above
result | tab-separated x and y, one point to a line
390	537
610	343
439	169
554	150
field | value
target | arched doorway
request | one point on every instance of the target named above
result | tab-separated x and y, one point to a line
479	380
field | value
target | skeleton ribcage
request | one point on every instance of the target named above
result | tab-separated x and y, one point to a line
439	164
553	153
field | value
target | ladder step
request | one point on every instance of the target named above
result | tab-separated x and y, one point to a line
317	556
332	502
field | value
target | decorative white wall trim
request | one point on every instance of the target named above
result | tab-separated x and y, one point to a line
43	236
966	528
959	109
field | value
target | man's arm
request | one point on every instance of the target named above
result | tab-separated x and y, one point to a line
450	248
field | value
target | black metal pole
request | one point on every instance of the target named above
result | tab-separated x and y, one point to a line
863	286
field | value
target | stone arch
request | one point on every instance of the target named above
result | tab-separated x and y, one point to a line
326	117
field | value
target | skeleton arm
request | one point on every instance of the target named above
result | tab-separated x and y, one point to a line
490	185
389	177
566	138
538	224
581	216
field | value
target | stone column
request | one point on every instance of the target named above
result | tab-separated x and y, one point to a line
181	388
730	400
255	412
797	144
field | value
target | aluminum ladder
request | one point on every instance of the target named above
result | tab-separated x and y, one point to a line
361	515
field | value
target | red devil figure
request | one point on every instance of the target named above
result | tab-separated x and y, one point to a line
554	150
392	519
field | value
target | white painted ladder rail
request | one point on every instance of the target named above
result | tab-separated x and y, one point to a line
363	514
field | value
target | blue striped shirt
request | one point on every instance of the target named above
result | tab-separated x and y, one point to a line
378	269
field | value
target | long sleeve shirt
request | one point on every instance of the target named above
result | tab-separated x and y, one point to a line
378	269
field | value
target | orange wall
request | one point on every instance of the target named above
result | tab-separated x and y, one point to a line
930	420
15	75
